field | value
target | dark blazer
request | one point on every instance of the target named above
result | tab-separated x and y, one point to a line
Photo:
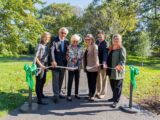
102	51
56	51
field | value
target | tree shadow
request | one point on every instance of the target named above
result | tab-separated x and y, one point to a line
76	107
10	101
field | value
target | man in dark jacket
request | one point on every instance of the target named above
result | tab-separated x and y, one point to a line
102	54
59	47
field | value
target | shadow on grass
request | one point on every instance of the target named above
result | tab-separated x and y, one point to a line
15	59
10	101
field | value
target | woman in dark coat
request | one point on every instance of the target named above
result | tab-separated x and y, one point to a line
116	60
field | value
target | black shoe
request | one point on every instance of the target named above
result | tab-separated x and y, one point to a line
43	96
61	97
114	105
77	97
42	103
110	100
55	100
69	98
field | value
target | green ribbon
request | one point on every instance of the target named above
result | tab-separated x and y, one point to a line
133	72
30	71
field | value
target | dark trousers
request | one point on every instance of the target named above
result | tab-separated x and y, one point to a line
40	81
116	86
73	75
92	78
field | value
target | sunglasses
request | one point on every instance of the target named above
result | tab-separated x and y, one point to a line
75	41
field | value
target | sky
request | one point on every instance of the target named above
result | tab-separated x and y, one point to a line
79	3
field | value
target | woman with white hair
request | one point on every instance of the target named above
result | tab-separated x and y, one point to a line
116	60
74	57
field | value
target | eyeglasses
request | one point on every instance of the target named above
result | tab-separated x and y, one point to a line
63	33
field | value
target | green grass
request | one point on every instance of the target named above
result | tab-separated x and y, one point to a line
148	81
13	87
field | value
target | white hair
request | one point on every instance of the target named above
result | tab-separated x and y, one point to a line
63	29
75	37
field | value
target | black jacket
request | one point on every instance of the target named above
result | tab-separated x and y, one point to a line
102	51
56	52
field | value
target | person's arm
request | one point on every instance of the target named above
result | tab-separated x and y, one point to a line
37	57
53	62
105	55
122	59
96	55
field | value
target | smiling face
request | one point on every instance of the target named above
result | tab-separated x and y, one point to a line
101	37
116	41
46	38
63	33
88	41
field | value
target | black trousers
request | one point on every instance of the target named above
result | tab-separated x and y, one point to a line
116	86
40	81
92	78
73	75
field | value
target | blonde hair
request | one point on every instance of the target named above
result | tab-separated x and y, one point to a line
75	37
118	36
63	29
45	34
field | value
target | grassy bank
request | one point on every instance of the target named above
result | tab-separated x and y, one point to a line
13	87
148	81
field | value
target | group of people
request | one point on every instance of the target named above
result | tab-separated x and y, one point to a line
96	57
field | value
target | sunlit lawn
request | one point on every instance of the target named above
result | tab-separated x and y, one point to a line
148	81
13	87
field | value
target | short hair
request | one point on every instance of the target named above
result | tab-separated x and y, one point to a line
118	36
101	32
75	36
63	29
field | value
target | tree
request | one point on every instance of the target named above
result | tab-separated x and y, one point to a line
149	12
113	16
56	16
19	25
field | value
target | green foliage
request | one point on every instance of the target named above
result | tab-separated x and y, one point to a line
55	16
112	16
18	26
137	43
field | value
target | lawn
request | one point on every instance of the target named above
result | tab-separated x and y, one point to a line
148	81
13	87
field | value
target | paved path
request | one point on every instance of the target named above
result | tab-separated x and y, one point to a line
80	109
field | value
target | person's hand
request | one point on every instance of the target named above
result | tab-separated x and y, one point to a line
43	67
105	66
97	65
54	64
74	60
119	67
